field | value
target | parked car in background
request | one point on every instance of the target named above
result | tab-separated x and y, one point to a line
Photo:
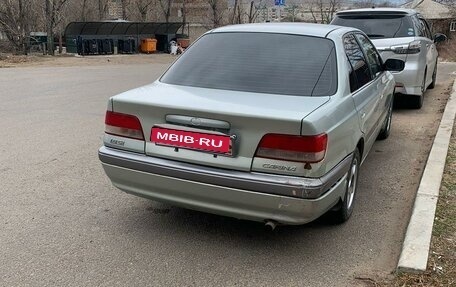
265	122
400	34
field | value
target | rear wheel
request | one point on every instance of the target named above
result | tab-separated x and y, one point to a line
417	102
345	208
385	131
434	77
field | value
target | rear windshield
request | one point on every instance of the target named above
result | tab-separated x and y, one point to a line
258	62
378	26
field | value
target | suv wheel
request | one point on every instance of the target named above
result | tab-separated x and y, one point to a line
434	77
418	100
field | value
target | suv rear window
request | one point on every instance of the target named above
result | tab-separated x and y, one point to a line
258	62
378	26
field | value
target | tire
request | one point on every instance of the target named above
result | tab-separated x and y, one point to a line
386	127
417	101
434	77
345	207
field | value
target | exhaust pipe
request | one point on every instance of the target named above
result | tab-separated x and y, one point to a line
270	225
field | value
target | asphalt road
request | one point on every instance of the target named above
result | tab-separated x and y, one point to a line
63	224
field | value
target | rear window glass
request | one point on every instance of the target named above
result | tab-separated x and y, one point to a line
378	26
258	62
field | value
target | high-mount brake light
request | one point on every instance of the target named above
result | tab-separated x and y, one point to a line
308	149
123	125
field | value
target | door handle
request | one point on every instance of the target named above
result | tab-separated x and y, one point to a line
363	115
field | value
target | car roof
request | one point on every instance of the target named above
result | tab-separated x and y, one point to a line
309	29
373	11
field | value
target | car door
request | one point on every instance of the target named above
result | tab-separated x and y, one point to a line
431	50
426	57
379	78
364	94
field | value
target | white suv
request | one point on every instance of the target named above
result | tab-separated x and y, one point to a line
400	34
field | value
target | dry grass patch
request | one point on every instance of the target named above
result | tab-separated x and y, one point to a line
441	269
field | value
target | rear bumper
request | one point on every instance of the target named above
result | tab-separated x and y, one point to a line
409	81
246	195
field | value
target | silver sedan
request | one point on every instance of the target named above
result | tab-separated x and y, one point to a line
265	122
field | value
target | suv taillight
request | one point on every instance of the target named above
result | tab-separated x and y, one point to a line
123	125
411	48
309	149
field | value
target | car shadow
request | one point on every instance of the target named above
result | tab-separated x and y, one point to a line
153	217
403	102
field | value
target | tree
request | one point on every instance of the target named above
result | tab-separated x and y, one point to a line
254	10
215	13
292	13
184	15
16	18
83	10
53	11
323	11
372	3
102	9
143	7
166	8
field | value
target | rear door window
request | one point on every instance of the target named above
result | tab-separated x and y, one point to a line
372	57
378	26
258	62
360	74
427	31
419	27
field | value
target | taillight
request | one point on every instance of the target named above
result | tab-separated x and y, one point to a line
411	48
123	125
309	149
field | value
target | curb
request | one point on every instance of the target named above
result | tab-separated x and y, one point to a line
415	250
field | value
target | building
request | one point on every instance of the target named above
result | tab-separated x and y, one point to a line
441	17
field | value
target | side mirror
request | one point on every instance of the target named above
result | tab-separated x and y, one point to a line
438	37
394	65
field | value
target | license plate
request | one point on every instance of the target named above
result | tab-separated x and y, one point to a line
211	143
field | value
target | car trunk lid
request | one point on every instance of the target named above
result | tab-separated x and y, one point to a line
243	117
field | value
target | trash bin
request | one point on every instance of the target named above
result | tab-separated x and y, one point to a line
107	46
85	47
93	46
148	45
127	46
120	46
183	42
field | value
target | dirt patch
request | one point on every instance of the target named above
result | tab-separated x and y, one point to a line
441	269
69	60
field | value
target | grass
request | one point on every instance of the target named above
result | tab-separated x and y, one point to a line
441	269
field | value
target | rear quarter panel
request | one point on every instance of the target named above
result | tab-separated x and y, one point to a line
338	118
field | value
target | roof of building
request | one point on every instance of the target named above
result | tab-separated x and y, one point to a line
429	9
